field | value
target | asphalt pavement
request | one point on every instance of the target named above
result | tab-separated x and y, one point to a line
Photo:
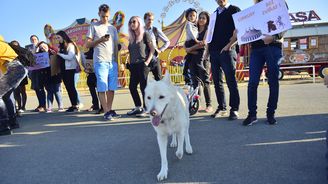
82	148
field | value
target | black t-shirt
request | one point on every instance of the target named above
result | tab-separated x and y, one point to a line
139	51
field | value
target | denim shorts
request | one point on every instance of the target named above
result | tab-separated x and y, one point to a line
107	75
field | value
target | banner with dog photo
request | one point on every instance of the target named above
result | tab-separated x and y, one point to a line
267	17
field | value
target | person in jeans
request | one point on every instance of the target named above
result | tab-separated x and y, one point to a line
141	51
12	73
52	82
103	37
36	80
269	51
198	58
69	52
221	41
156	35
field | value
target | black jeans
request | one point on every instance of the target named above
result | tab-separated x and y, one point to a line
68	78
92	84
155	68
225	62
9	101
199	74
139	73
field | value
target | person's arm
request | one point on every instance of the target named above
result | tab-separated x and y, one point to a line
200	45
164	38
90	38
70	53
151	49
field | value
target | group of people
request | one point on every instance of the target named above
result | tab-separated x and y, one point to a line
211	46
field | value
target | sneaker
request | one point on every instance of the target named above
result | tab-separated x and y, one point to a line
40	109
271	120
61	109
5	131
114	115
142	114
49	111
233	115
135	111
108	116
73	109
20	111
209	109
100	111
219	113
80	105
249	120
13	124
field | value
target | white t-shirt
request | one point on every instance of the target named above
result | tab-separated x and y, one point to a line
103	52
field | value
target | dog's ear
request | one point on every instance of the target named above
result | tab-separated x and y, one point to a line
167	78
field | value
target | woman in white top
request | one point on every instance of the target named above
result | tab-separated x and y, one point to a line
69	52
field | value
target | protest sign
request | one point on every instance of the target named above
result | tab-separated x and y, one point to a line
42	60
267	17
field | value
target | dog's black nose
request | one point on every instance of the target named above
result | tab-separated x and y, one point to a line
153	113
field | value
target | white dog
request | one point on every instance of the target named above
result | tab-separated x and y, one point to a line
169	115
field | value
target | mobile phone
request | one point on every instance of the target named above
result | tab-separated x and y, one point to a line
106	35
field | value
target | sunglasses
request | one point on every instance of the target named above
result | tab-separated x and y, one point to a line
133	22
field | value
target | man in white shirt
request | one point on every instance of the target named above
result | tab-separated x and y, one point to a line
103	37
155	35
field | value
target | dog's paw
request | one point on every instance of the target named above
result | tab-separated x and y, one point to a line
162	175
173	144
179	154
189	150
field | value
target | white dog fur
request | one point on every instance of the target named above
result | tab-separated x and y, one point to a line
169	115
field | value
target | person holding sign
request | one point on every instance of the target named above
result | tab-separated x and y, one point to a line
267	50
221	41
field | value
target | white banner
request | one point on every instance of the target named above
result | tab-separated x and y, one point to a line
267	17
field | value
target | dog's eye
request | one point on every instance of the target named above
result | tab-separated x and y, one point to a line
148	97
161	97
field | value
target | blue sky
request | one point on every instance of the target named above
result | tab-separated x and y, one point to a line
20	18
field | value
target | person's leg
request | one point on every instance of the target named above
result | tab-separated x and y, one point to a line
185	72
112	83
42	95
143	82
156	69
101	71
272	56
9	101
18	97
76	81
218	81
228	63
24	97
68	78
58	96
134	81
91	82
50	96
255	69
